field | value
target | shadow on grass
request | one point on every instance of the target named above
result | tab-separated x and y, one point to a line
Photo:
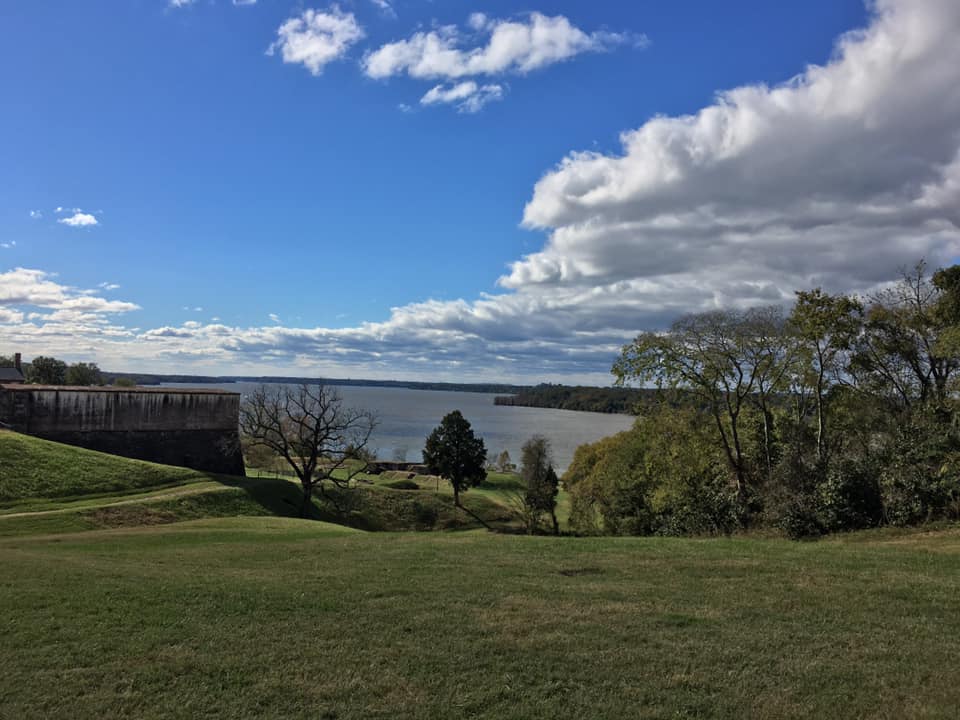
375	509
275	495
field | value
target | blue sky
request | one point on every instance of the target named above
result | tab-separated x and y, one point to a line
271	189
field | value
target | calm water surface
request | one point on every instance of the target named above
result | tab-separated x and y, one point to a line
408	416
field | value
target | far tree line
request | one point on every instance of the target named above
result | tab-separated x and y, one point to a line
566	397
43	370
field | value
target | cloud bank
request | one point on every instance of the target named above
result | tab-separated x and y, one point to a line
837	177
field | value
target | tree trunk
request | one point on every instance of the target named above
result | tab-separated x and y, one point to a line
456	494
739	464
821	427
556	525
307	503
768	453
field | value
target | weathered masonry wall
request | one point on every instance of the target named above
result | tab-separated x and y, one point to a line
191	428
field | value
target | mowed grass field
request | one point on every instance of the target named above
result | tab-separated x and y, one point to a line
263	616
269	617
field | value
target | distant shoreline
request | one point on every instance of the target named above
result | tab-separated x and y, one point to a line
158	379
558	397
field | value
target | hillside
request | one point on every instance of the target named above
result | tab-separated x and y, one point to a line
31	467
49	487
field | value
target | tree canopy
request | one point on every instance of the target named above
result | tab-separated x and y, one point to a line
46	371
541	484
308	426
841	413
453	451
83	374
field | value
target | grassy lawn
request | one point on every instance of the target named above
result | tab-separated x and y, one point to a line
164	593
254	617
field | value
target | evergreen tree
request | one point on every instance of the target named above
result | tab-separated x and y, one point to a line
452	451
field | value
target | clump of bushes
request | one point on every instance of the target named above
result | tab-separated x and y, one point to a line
402	485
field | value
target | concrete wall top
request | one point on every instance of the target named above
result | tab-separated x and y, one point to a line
23	387
58	409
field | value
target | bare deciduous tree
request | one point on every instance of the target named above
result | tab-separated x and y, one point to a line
311	429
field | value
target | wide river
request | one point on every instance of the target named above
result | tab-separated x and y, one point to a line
406	417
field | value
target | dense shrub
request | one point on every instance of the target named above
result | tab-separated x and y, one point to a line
402	485
849	496
919	480
661	477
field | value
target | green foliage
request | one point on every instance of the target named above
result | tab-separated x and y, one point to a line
920	480
849	496
46	371
566	397
724	360
453	451
665	476
83	374
540	485
842	416
124	382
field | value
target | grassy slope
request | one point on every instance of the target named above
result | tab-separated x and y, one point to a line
34	468
258	617
48	487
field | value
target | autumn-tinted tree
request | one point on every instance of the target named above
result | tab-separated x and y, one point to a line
453	451
311	429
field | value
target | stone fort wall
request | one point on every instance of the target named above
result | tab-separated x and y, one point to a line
191	428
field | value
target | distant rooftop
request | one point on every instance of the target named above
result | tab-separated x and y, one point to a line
5	384
10	374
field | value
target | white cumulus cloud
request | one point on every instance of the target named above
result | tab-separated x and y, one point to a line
513	46
316	38
836	177
25	287
79	219
468	96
